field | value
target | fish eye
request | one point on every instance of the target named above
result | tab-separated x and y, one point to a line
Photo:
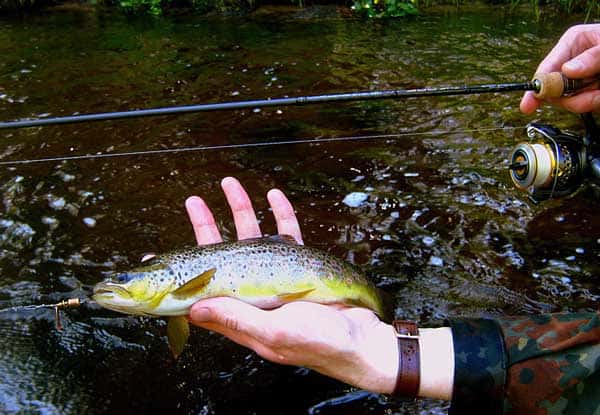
124	277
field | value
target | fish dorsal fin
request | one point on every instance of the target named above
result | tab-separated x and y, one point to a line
194	285
289	297
178	331
288	239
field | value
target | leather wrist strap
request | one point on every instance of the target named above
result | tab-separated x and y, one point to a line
407	383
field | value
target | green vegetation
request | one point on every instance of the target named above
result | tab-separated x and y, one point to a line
591	8
402	8
384	8
141	6
158	7
22	5
364	8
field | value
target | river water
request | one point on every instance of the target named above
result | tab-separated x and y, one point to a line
437	222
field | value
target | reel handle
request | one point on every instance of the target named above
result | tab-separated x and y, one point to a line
556	85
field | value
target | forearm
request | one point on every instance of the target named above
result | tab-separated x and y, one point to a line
437	363
378	360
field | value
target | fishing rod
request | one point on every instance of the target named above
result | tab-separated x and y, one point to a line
551	85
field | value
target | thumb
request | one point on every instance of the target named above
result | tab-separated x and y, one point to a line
232	315
584	65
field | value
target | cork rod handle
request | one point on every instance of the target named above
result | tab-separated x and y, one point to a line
556	85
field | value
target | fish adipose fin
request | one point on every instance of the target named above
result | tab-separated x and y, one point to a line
288	297
178	331
195	285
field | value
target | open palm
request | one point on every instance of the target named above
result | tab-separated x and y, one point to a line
347	343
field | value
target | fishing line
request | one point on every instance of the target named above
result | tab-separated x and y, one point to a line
65	304
315	140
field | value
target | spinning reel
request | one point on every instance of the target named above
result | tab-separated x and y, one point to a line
554	163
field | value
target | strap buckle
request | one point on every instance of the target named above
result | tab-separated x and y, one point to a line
407	336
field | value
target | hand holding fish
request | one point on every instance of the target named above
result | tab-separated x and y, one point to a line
348	343
290	303
577	56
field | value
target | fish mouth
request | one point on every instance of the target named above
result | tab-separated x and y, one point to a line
105	289
115	297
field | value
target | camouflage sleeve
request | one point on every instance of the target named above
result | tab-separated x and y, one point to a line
479	367
535	365
553	364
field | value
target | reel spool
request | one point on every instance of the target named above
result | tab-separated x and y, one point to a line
551	165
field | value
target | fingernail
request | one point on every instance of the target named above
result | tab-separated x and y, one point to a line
192	202
574	65
228	180
200	314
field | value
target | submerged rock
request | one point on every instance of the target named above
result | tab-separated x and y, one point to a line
355	199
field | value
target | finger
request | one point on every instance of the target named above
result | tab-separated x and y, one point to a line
244	217
234	316
529	103
569	45
584	65
583	102
203	222
260	330
554	60
551	63
285	217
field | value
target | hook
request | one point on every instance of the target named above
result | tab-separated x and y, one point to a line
70	303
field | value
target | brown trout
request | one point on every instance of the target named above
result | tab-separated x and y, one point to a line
265	272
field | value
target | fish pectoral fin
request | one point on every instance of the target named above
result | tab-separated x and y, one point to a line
287	297
155	302
194	285
178	332
288	239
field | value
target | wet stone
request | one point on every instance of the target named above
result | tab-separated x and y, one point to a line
89	222
436	261
55	202
355	199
